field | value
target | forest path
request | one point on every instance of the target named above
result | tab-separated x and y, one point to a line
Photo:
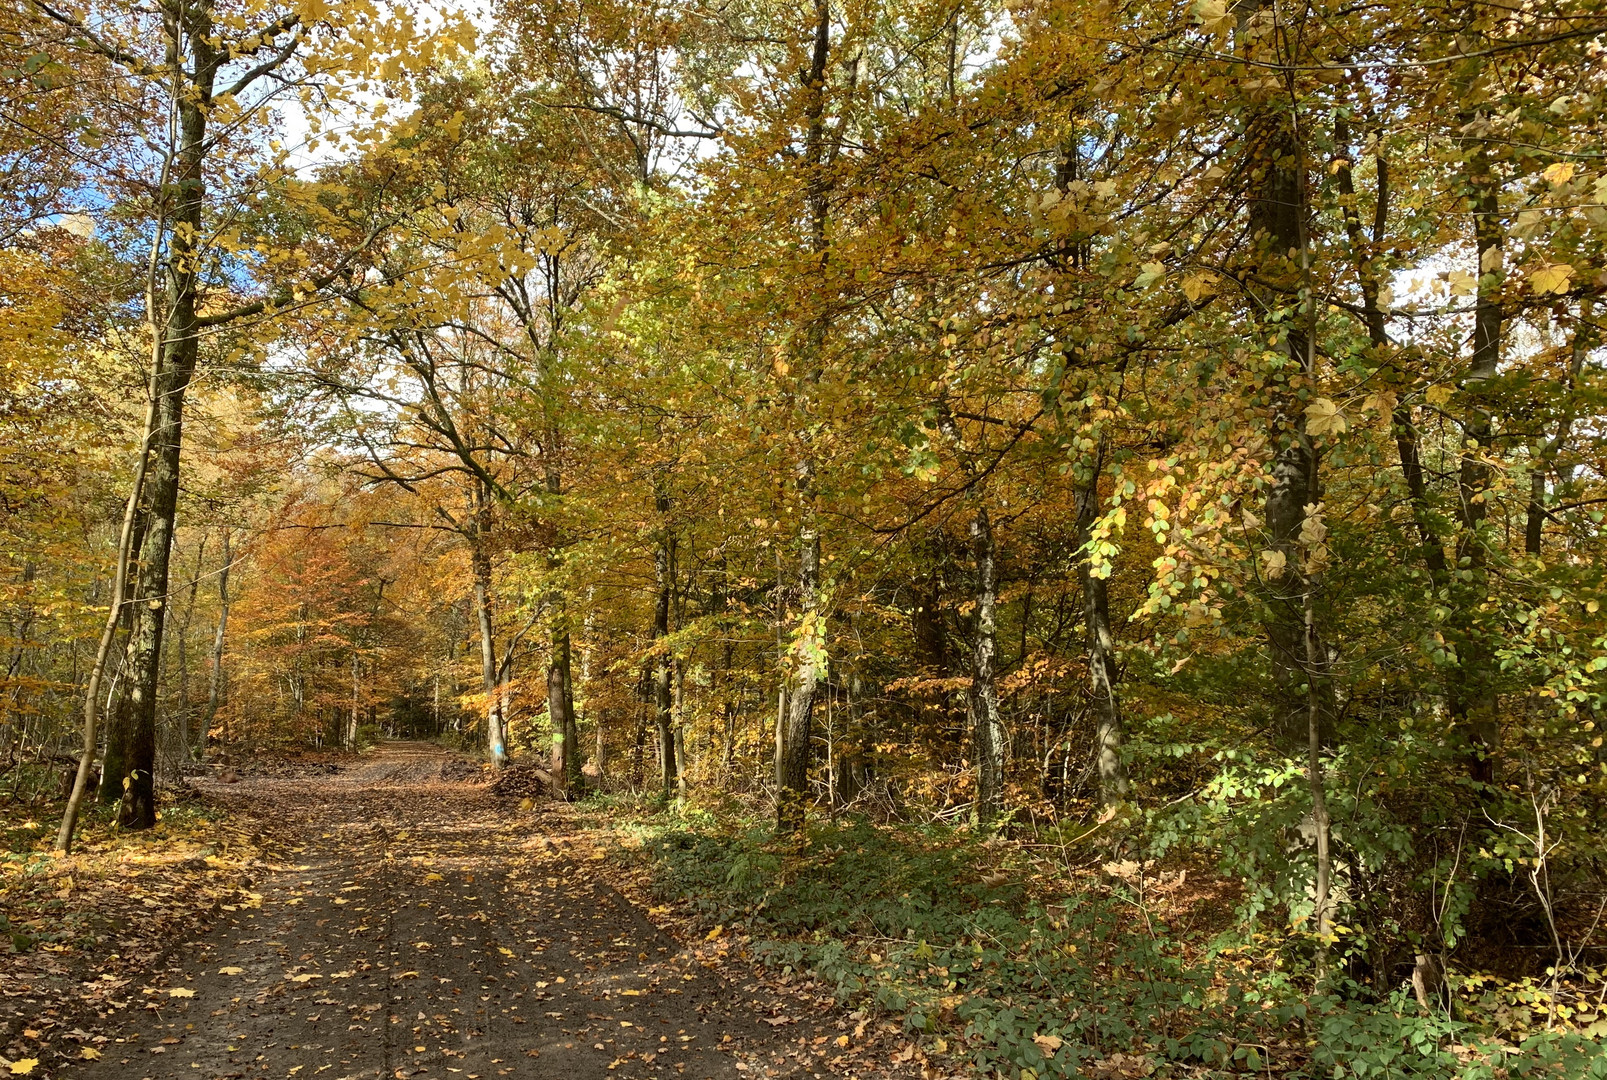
422	928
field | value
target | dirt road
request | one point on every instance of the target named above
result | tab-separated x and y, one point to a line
423	928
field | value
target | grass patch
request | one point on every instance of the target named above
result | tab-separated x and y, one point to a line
1028	974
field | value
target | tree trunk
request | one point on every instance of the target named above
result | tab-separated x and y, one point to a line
1316	722
683	758
1473	704
214	691
1101	650
130	755
1278	211
987	729
120	575
184	659
352	721
496	736
561	710
663	695
793	735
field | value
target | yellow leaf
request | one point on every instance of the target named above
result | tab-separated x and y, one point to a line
433	877
1438	395
1559	173
1214	16
716	932
181	991
305	977
89	1053
1048	1043
1198	286
1273	563
1551	278
1150	273
231	970
23	1066
1323	417
504	951
1382	403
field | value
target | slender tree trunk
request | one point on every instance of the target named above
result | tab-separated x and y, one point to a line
682	759
663	694
1278	210
480	558
795	732
987	729
1316	721
560	686
214	691
184	657
103	650
560	708
352	721
1101	650
793	748
130	756
1473	701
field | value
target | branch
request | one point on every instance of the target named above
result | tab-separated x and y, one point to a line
105	48
286	295
273	62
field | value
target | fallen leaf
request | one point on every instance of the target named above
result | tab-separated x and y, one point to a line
181	992
231	971
23	1066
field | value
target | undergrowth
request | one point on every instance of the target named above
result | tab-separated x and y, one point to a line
1025	976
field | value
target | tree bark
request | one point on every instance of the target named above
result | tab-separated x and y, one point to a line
663	694
1473	700
793	731
214	691
987	729
131	751
1100	651
793	736
120	575
183	709
561	710
479	529
1278	210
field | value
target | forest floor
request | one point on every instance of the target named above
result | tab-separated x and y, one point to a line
398	924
